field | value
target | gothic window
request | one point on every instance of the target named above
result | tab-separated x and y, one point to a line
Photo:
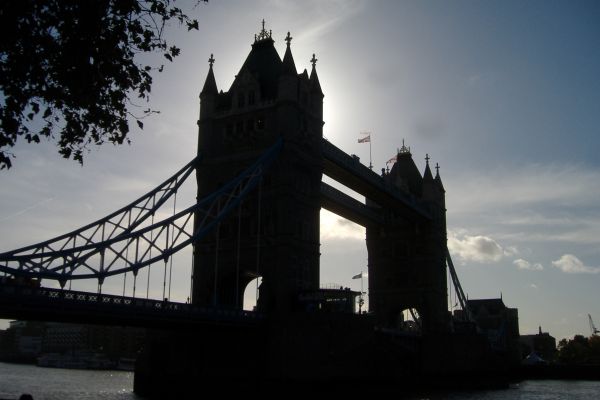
241	99
251	98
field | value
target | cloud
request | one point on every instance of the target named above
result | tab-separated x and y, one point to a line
523	186
572	265
534	286
529	203
475	248
524	264
334	227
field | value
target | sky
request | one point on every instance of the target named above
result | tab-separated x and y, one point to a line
504	95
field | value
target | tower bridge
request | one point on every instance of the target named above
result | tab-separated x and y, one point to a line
261	158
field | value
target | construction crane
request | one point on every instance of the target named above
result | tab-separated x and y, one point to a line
592	326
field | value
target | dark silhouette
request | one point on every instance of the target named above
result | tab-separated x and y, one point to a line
68	69
579	350
261	158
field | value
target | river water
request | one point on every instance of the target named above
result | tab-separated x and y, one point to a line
69	384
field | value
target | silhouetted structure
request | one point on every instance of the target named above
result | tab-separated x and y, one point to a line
309	336
261	157
500	324
275	235
541	343
407	257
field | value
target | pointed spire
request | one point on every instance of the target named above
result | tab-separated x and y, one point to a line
210	84
288	65
427	176
315	86
438	180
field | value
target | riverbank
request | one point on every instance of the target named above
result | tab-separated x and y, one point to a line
558	371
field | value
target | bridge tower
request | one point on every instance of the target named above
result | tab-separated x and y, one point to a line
406	256
275	234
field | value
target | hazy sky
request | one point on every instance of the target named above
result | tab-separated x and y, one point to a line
504	95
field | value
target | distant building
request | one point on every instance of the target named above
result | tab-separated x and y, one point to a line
114	342
24	341
500	324
541	343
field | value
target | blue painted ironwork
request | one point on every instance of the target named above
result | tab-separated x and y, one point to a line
108	256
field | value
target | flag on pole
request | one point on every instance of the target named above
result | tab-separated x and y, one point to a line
366	139
358	276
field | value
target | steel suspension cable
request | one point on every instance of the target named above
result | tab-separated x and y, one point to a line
237	264
258	237
150	253
126	260
173	238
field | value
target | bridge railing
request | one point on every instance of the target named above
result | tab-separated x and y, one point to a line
130	305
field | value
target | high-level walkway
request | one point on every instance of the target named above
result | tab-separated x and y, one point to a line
348	171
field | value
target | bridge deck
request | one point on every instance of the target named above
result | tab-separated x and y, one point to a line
45	304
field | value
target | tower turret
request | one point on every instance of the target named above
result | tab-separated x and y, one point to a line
429	185
405	174
288	80
316	94
209	91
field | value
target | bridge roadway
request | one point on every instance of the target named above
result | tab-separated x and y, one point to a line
45	304
348	171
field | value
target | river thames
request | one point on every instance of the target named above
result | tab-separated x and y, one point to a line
70	384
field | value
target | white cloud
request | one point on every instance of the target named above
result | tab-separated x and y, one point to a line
534	286
572	265
524	264
475	248
535	203
334	227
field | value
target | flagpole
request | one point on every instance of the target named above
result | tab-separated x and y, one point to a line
367	139
370	158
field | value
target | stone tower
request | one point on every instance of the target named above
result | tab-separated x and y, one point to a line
275	234
407	256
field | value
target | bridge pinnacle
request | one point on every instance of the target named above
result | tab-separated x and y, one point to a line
404	149
263	34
